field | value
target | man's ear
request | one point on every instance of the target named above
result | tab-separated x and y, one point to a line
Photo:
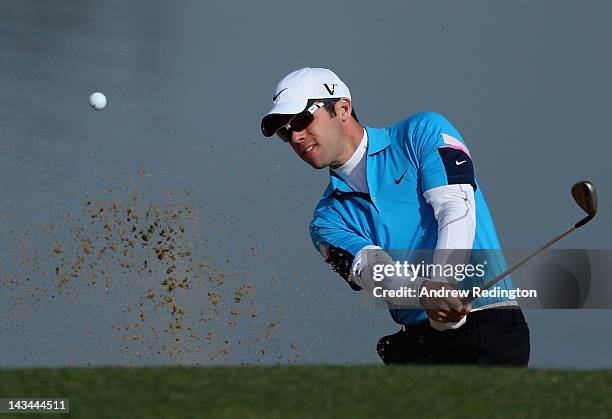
343	109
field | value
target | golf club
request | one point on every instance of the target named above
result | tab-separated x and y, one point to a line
585	195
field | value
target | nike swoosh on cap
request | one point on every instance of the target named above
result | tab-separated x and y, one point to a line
276	95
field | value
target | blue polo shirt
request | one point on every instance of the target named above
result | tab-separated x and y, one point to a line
404	160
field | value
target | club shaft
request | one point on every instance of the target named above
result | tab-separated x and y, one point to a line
521	262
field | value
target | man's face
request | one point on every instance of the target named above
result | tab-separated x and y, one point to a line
320	144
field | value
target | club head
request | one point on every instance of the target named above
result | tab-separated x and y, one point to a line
585	195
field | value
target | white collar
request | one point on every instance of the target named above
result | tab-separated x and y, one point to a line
347	168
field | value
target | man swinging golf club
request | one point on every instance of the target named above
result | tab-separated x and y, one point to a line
407	186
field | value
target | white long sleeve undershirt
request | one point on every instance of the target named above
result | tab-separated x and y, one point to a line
454	208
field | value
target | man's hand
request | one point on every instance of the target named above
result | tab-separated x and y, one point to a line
443	309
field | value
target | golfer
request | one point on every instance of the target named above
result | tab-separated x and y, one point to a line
407	186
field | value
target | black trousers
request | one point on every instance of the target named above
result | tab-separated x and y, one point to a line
489	337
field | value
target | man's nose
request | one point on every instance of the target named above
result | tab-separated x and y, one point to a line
298	136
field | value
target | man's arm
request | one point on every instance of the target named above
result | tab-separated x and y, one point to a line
454	208
354	258
359	271
447	178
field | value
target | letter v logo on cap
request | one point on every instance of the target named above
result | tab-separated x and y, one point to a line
330	89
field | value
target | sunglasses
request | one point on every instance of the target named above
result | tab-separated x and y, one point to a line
300	121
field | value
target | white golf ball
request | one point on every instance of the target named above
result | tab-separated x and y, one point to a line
97	100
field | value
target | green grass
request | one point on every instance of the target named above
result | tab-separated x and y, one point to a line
316	391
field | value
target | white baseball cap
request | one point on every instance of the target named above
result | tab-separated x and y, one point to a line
293	92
